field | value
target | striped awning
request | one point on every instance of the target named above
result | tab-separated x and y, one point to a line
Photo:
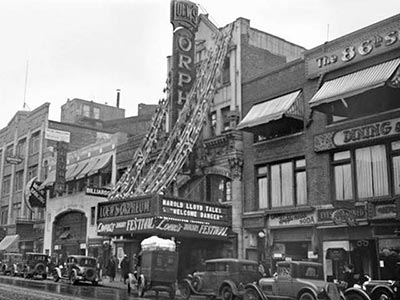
101	163
289	105
355	83
8	241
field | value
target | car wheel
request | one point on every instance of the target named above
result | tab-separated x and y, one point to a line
141	287
184	289
44	276
25	274
251	294
382	295
72	278
226	293
307	296
56	278
197	283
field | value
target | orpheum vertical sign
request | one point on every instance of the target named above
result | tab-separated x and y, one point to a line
184	18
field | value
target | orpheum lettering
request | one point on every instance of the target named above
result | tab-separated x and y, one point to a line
124	208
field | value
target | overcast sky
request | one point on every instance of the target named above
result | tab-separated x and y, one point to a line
89	48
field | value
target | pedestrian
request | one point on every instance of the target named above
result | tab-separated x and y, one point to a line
111	268
348	275
125	268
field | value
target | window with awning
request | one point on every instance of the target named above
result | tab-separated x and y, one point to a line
275	117
367	91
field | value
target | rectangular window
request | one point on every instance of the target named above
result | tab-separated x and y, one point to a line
4	215
34	143
342	174
21	148
18	180
371	170
32	172
226	72
96	113
225	118
283	184
6	185
9	151
92	215
262	183
86	110
16	212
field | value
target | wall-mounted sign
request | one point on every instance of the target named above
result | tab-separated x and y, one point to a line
161	225
193	210
118	209
14	160
291	219
367	132
184	16
100	192
35	196
353	48
335	215
344	216
61	166
385	211
57	135
353	135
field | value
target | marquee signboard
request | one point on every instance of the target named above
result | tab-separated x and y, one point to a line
157	214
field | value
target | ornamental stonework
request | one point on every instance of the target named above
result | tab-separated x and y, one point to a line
324	142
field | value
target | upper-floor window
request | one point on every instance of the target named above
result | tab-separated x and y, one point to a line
213	120
19	180
86	110
219	188
226	78
6	185
21	146
364	172
34	143
32	172
93	215
96	113
225	118
282	184
9	151
4	215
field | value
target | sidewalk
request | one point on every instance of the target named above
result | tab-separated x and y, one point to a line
117	283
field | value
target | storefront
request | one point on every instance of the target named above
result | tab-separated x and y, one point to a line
201	230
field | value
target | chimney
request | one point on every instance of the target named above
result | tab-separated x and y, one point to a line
118	92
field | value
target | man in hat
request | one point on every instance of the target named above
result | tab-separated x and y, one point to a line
125	268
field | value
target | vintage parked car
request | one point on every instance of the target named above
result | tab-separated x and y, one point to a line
296	280
223	278
381	289
11	264
78	268
35	264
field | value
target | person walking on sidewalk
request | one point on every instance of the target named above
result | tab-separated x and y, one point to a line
125	268
112	268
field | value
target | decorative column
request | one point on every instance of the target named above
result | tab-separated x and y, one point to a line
236	165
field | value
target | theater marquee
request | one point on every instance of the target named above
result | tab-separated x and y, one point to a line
156	214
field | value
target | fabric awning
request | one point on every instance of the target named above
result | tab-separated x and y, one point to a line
8	241
355	83
288	105
89	166
101	163
78	169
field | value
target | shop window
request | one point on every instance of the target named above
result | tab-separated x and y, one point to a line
34	143
282	184
6	185
18	180
219	189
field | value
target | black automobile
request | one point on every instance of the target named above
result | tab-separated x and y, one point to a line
78	268
382	289
35	264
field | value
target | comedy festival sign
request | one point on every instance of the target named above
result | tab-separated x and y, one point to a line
158	214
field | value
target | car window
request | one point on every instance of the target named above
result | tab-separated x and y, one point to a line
246	267
87	262
284	271
311	272
210	267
